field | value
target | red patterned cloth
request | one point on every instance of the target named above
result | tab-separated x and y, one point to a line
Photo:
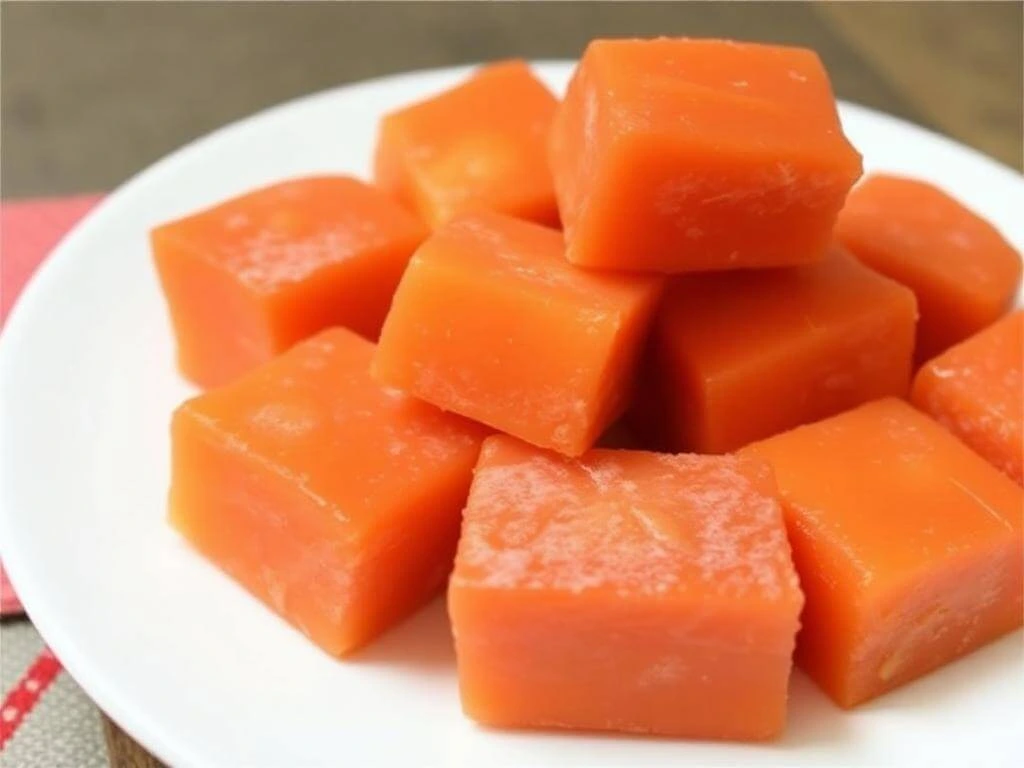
29	230
45	719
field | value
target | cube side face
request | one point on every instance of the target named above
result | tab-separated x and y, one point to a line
858	642
410	556
831	621
576	144
974	388
670	408
964	603
949	316
390	171
620	380
257	527
221	329
479	145
552	370
813	366
548	660
865	360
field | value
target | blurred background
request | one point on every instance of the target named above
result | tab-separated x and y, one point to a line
94	92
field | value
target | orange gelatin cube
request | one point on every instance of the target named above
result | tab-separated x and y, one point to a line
739	356
624	591
976	390
332	500
491	322
677	155
478	146
248	278
962	270
907	543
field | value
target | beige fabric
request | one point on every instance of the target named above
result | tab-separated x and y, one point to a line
63	730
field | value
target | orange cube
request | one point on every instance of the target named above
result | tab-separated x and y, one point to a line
677	155
332	500
739	356
491	322
478	146
624	591
907	543
962	270
976	390
246	279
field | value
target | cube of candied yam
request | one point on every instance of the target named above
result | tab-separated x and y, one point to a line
332	500
477	146
246	279
492	323
679	155
962	270
624	591
976	390
907	543
740	356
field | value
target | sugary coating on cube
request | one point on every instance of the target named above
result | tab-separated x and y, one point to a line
964	273
334	501
624	591
492	323
679	155
976	390
246	279
740	356
477	146
908	546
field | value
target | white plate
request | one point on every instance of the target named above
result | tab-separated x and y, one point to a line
202	674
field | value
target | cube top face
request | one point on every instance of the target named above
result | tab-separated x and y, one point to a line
625	525
916	233
988	366
490	322
719	93
774	311
528	259
679	155
276	237
963	271
478	145
975	389
884	491
314	410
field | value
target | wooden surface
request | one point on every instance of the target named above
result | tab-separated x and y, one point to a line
92	93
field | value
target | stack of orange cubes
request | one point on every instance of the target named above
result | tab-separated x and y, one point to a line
410	378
